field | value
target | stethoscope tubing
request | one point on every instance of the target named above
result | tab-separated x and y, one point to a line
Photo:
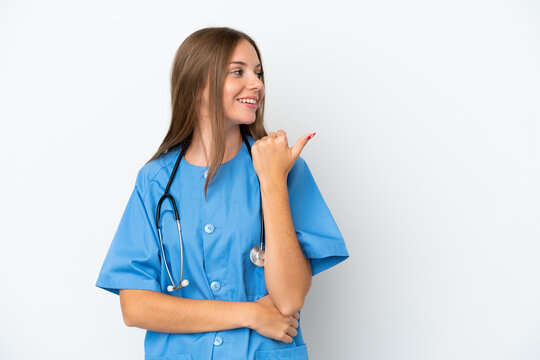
256	254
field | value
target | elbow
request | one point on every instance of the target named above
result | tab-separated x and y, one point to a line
290	301
129	319
128	309
289	307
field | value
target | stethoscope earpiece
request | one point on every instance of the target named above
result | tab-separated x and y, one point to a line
183	284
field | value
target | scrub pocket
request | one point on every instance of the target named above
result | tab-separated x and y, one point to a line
296	353
169	357
253	275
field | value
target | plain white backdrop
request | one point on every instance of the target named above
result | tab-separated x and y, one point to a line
427	153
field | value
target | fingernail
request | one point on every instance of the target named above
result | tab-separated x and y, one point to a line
310	136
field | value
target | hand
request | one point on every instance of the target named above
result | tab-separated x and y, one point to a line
269	322
272	157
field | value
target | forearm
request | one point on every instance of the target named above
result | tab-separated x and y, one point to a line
287	271
160	312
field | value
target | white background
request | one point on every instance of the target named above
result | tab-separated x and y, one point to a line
427	153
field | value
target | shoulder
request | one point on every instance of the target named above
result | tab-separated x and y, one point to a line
299	168
300	177
151	171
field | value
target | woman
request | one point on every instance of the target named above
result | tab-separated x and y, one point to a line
204	294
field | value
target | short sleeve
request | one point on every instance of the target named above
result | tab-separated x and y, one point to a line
132	261
317	232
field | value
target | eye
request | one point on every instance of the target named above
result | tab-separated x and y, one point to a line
239	72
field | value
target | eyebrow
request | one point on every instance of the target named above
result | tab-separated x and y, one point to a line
242	63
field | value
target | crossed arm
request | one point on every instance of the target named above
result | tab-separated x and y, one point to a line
287	276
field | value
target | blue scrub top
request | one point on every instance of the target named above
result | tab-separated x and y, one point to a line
218	234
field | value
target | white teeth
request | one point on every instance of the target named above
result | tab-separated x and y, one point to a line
251	101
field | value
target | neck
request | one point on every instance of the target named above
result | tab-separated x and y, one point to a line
200	148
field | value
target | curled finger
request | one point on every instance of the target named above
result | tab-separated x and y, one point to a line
292	332
286	339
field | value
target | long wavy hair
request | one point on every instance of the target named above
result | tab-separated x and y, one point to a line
203	57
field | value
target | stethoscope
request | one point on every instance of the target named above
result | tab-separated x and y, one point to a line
256	254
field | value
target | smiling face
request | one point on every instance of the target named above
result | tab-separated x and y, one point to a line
243	88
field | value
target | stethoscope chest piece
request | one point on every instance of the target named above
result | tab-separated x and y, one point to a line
257	256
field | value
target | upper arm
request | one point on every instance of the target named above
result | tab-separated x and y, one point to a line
133	261
317	232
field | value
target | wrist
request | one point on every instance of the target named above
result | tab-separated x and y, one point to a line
249	317
269	185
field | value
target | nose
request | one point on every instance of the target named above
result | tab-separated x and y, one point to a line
254	82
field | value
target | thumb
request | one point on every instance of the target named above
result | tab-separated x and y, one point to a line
297	148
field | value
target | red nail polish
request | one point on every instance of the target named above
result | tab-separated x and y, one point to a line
310	136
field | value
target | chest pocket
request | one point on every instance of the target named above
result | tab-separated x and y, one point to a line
293	353
253	275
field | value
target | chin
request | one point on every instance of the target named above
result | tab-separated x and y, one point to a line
244	121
